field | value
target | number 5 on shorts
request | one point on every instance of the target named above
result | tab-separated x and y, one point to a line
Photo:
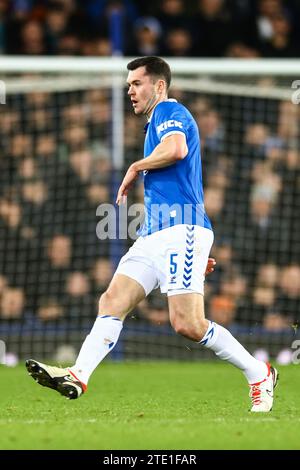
173	263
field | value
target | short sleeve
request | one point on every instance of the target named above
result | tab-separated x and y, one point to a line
169	119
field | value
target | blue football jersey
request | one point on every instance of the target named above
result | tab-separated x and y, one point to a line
174	194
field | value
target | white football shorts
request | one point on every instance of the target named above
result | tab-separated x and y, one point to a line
173	259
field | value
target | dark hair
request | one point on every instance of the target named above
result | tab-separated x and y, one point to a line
155	66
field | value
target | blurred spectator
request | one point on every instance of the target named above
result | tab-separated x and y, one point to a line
200	105
11	213
288	122
172	14
49	310
288	299
214	202
27	169
35	192
263	236
261	301
82	164
222	309
212	130
46	148
280	44
48	278
292	161
158	315
21	146
77	284
103	47
76	139
3	284
12	303
263	24
40	120
238	50
102	166
256	27
32	39
98	115
213	28
98	193
234	285
265	180
56	23
102	272
74	114
60	251
35	195
205	28
78	298
146	41
10	123
274	321
133	136
219	174
178	43
262	203
255	139
39	117
222	251
155	310
95	45
69	44
257	142
268	275
264	297
4	5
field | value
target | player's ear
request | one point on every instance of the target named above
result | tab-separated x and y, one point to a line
161	86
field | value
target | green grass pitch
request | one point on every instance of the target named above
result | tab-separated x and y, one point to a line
167	405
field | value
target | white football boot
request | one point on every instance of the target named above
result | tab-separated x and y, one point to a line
61	380
262	393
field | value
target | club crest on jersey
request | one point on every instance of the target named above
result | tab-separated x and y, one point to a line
165	125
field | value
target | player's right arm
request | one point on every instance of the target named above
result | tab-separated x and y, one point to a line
172	149
166	153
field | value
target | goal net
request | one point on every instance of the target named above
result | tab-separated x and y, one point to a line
67	136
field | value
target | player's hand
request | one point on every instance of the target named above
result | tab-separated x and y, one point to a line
210	266
127	182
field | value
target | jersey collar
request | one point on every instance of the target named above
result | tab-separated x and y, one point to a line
172	100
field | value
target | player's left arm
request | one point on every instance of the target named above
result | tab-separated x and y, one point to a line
210	267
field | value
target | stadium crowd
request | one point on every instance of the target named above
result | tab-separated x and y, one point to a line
55	165
196	28
55	171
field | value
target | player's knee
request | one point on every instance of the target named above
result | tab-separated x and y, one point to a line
188	331
193	331
108	305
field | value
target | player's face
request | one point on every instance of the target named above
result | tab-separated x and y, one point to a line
143	91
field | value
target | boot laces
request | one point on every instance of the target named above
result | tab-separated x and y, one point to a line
255	394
